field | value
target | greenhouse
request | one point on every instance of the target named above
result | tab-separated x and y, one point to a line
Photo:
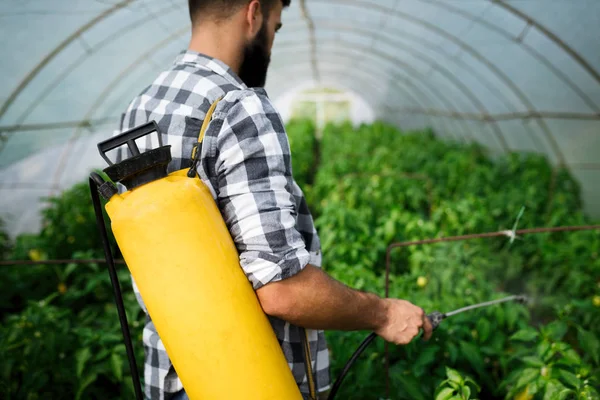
448	152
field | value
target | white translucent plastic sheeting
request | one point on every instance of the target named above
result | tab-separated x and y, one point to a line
514	75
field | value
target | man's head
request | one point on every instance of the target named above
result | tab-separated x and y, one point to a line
255	21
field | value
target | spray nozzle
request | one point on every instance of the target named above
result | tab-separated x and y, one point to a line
522	299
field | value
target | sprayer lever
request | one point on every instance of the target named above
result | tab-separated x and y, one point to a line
436	318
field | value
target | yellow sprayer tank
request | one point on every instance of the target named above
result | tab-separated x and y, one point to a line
186	266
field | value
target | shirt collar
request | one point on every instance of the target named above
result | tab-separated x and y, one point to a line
200	60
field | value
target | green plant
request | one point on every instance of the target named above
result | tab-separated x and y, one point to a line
367	187
543	366
456	387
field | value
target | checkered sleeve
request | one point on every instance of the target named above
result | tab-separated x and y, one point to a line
254	179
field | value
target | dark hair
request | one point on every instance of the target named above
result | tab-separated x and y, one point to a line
225	8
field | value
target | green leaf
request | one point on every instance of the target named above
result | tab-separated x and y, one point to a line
83	384
117	366
533	361
569	378
81	357
590	344
453	352
536	385
570	357
411	386
426	357
454	376
466	392
552	390
483	329
564	394
528	375
472	353
525	335
555	330
472	382
545	351
445	394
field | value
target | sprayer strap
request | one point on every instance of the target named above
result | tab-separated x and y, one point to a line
205	126
197	149
308	361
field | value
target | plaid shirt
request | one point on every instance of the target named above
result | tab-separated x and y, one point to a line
245	162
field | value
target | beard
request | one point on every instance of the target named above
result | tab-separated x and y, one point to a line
253	71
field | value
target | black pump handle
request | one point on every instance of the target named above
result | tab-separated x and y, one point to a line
128	137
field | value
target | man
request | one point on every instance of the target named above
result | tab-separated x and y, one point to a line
245	162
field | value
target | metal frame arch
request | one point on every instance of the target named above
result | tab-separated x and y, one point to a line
339	51
529	49
462	88
33	73
126	71
344	25
364	87
412	73
352	73
331	72
92	50
469	49
550	35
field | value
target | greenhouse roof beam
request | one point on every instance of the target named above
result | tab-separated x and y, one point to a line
529	49
559	42
100	99
415	75
503	116
395	79
311	35
373	82
57	125
117	34
32	74
466	47
347	26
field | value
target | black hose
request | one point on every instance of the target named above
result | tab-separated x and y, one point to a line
96	182
338	382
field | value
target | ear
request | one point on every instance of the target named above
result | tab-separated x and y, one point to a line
254	17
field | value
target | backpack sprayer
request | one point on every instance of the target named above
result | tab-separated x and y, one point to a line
184	262
186	267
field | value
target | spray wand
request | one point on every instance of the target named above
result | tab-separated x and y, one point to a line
435	318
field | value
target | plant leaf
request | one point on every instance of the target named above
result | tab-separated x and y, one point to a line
525	335
426	357
411	386
466	392
81	357
528	375
533	361
83	384
555	330
453	375
552	389
483	329
590	344
569	378
117	366
445	394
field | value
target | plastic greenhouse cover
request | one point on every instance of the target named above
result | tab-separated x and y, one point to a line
513	75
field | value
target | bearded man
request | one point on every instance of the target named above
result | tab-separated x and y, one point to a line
245	161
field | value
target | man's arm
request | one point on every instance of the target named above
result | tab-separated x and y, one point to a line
313	299
254	180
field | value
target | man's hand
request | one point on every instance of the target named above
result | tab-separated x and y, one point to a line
404	321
